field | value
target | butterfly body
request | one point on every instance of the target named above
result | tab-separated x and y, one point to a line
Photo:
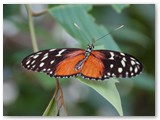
89	63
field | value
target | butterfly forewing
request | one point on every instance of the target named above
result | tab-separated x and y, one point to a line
48	60
119	64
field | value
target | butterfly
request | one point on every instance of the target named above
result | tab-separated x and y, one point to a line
89	63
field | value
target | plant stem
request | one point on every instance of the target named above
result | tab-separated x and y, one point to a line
57	88
48	109
31	26
61	92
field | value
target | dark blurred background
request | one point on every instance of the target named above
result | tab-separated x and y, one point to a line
28	93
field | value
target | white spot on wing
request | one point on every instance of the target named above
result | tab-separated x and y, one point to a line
138	66
105	76
32	62
41	64
31	56
33	66
111	65
132	58
52	62
112	55
122	54
124	59
120	70
113	74
35	56
52	50
28	62
135	70
131	68
132	62
39	53
137	62
46	54
126	74
108	73
44	57
123	63
60	52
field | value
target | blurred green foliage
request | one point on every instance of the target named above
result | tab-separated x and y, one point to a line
119	7
28	93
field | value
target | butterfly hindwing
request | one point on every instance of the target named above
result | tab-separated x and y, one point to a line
94	67
49	60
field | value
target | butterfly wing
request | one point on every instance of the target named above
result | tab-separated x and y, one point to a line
103	64
54	62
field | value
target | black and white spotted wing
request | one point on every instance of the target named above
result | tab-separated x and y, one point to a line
120	64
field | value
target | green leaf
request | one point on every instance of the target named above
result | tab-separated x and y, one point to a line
52	108
133	36
66	16
108	90
119	7
145	81
46	81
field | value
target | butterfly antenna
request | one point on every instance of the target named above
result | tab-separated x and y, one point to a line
110	33
77	26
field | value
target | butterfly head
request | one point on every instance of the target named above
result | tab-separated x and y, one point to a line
89	50
90	47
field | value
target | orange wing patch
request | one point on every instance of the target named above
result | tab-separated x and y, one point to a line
93	67
67	66
98	54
